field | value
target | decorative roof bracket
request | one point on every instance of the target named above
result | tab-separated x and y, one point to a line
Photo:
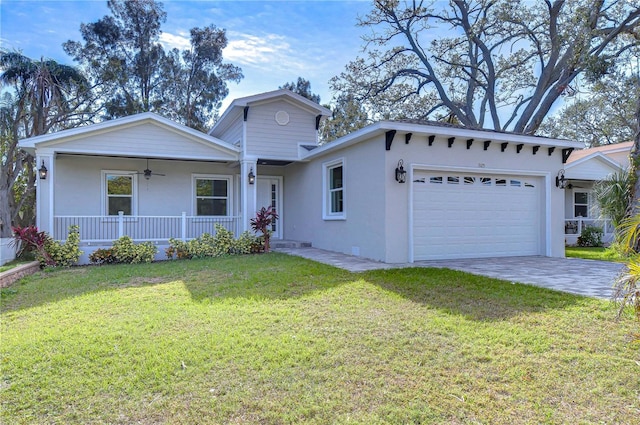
389	138
565	154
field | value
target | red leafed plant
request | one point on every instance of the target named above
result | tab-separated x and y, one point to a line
261	223
29	239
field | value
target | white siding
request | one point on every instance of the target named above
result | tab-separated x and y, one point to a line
144	139
594	169
267	139
78	184
621	158
233	133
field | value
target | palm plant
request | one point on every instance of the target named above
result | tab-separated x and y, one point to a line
627	288
38	97
612	197
261	223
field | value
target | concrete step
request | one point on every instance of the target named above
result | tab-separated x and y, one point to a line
281	244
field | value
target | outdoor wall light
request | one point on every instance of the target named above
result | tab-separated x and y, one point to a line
401	174
560	180
252	177
42	171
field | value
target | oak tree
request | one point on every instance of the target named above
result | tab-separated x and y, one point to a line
503	65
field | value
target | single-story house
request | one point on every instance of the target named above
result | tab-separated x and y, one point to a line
394	191
583	169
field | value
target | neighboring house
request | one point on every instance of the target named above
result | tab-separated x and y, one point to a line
583	168
468	193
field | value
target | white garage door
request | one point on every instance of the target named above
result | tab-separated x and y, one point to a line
473	215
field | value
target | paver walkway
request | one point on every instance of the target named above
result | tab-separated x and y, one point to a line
583	277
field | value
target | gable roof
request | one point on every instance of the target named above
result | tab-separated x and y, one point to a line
236	108
599	156
58	139
429	128
604	149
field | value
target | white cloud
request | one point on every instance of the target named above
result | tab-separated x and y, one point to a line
170	41
268	51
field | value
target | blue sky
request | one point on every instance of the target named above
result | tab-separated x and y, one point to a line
274	42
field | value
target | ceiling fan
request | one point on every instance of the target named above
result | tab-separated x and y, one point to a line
147	173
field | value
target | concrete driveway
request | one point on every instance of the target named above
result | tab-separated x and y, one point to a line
582	277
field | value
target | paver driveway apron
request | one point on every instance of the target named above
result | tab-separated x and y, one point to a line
583	277
577	276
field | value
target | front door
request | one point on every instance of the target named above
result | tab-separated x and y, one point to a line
268	195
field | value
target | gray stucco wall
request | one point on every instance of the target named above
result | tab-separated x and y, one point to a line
363	231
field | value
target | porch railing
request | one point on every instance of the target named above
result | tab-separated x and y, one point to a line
574	226
142	228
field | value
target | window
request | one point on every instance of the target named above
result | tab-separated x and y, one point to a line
212	195
333	183
119	189
581	204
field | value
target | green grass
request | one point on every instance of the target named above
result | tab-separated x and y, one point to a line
273	339
12	264
594	253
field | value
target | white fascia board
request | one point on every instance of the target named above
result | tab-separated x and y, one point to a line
142	154
596	156
479	134
53	139
425	129
281	93
238	104
345	141
227	118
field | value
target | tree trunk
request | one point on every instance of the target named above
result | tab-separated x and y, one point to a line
5	213
634	168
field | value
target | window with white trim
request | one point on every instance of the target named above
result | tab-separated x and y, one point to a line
581	204
119	192
333	183
212	195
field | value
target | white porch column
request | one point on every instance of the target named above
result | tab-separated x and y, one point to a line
247	192
44	192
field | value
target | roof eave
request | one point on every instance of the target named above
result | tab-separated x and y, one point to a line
383	126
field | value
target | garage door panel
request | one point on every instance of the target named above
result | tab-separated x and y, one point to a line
489	216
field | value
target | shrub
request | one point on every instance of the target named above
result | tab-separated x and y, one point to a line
29	240
63	255
590	236
261	222
177	249
246	244
125	251
102	256
222	241
207	245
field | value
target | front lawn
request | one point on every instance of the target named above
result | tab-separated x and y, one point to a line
594	253
275	339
